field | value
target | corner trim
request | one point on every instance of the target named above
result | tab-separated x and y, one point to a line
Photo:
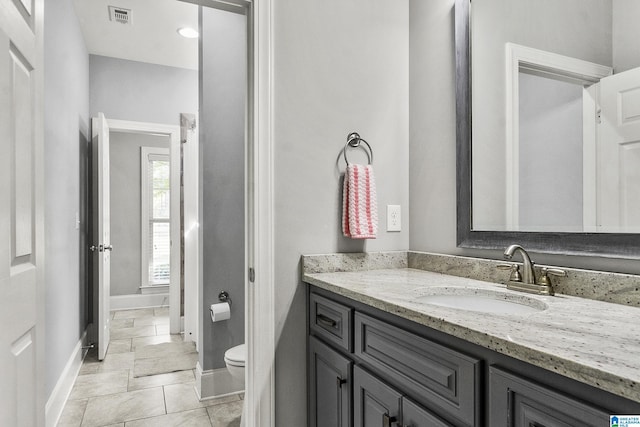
215	383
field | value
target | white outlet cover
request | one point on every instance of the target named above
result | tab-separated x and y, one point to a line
394	218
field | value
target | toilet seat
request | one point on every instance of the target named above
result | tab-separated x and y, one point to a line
236	356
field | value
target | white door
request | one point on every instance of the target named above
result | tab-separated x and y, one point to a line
102	230
21	215
618	164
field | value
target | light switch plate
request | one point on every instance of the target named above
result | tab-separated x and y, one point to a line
394	218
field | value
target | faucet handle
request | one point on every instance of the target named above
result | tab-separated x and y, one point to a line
515	271
544	277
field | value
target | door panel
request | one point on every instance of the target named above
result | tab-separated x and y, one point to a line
21	220
102	234
375	403
330	391
619	153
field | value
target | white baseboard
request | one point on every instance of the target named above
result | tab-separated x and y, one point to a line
57	400
215	383
127	302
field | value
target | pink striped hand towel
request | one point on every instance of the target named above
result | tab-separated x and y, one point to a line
359	204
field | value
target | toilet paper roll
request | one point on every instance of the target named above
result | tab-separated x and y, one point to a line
220	311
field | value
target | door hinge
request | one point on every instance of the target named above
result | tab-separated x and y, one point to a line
252	275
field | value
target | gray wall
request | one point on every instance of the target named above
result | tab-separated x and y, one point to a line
222	137
432	161
130	90
340	66
557	28
66	121
126	202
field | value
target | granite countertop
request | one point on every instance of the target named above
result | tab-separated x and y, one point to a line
595	342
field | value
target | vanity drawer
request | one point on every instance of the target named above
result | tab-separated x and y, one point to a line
444	381
331	321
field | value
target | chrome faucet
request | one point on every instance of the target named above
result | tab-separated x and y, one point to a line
528	276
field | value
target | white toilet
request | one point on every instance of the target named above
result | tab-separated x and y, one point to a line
235	359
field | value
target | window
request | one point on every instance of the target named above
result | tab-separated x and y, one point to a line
156	238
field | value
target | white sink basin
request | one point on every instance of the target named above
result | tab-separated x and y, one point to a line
482	300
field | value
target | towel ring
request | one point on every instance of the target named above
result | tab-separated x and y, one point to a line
354	140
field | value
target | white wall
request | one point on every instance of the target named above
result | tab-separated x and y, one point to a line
66	123
141	92
340	66
626	33
126	258
557	27
433	159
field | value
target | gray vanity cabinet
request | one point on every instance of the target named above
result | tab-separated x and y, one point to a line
413	415
518	402
329	386
408	375
375	404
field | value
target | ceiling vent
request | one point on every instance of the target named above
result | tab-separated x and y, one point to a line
118	14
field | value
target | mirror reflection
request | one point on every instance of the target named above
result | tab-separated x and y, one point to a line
556	115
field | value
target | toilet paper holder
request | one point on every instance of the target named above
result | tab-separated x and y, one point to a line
223	296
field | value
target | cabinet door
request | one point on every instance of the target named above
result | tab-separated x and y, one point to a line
414	415
518	402
375	403
329	386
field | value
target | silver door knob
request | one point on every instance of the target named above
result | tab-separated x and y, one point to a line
108	248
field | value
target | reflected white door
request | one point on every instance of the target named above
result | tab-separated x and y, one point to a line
102	230
21	215
618	164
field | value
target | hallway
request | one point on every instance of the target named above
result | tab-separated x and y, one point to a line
107	393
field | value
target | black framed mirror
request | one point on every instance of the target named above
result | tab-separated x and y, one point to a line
615	245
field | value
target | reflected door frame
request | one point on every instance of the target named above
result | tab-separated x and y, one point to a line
173	132
522	57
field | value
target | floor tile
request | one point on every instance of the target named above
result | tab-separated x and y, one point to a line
193	418
160	380
146	321
136	331
162	329
117	362
99	384
137	342
119	346
121	323
132	314
226	415
182	397
72	413
122	407
161	311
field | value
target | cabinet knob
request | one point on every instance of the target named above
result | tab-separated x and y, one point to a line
340	381
387	420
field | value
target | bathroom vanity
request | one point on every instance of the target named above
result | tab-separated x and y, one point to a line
386	350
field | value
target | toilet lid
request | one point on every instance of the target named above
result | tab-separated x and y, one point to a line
236	355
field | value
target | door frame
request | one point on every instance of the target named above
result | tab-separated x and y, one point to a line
173	132
517	57
260	337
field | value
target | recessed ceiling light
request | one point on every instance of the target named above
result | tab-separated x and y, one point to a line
187	32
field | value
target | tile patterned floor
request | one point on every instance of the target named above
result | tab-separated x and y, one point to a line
107	394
